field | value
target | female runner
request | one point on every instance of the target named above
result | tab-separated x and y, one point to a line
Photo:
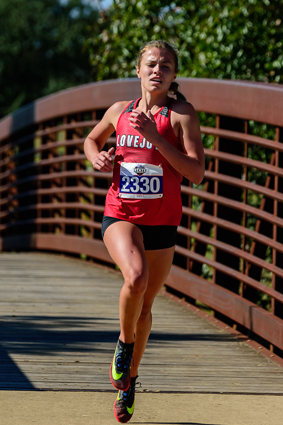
158	141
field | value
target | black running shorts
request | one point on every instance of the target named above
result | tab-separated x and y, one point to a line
154	237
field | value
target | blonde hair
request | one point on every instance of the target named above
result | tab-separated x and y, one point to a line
163	45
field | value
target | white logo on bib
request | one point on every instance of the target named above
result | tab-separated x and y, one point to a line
140	170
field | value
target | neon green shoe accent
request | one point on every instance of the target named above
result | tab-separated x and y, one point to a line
116	376
131	409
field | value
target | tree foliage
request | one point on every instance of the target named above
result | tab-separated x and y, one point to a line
239	39
41	48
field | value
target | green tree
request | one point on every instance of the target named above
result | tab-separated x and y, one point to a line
239	39
41	48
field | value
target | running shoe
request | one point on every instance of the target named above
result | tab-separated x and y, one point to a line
121	365
125	403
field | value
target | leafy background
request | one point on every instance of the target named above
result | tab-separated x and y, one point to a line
42	49
50	45
239	39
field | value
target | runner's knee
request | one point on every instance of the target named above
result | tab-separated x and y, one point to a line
146	313
136	280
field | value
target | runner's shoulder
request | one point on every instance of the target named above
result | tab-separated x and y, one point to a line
182	107
113	113
183	112
118	107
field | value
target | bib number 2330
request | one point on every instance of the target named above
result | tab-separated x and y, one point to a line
141	181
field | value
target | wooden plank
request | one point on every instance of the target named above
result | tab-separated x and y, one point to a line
59	326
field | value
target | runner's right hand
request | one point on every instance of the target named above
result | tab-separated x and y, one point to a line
103	161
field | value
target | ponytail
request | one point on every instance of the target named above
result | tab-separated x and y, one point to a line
174	90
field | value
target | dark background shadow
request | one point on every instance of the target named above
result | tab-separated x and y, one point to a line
64	335
45	335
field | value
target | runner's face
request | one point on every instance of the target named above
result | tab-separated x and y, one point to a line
157	70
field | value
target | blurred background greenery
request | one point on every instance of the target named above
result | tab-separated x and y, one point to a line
42	48
49	45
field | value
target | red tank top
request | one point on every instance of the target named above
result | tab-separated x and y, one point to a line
145	188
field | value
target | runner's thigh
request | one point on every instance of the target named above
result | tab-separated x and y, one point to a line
124	242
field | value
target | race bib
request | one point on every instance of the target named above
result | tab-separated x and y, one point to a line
140	181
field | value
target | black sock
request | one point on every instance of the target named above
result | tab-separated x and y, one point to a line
124	345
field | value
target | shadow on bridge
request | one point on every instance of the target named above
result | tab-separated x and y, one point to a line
27	338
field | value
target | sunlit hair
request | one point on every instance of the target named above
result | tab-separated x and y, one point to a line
163	45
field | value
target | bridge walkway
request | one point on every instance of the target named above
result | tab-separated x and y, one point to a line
58	330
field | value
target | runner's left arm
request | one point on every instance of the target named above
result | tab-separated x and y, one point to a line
191	163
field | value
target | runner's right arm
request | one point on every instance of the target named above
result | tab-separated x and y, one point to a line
95	141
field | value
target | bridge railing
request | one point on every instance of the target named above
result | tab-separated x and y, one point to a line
229	254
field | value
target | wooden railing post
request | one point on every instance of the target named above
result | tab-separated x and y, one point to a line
278	307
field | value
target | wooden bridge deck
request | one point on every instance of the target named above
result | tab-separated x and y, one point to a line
59	326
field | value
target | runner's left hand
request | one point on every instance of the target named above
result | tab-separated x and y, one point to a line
145	124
